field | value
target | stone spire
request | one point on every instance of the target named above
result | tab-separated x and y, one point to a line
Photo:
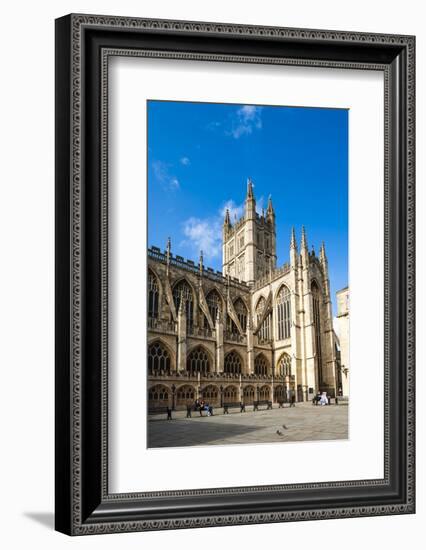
250	202
293	249
168	254
304	252
293	243
201	262
323	260
270	213
249	189
322	254
304	243
227	220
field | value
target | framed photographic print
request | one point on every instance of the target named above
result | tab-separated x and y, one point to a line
234	274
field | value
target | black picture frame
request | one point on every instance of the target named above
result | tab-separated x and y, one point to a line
83	504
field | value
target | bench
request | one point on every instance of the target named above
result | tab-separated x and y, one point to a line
257	404
282	403
193	408
234	405
161	410
342	400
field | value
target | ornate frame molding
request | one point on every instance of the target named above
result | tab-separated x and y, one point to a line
85	507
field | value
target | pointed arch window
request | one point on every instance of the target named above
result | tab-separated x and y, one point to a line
284	313
261	365
284	365
182	290
264	333
153	295
198	361
241	311
214	304
233	363
158	358
316	301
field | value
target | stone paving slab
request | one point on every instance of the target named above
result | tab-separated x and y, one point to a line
304	422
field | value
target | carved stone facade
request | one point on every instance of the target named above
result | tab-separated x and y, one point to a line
343	321
252	332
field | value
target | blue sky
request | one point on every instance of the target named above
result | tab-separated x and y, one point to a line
200	156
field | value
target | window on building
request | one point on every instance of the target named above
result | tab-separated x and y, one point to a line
214	304
267	242
198	361
153	295
182	290
230	394
241	311
185	394
284	365
316	304
261	365
264	333
159	396
158	358
284	313
241	270
241	240
233	363
264	393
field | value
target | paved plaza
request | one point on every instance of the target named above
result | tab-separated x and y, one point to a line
304	422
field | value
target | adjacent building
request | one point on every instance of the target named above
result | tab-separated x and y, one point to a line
343	327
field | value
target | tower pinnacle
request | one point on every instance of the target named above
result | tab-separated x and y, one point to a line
250	189
304	243
293	243
322	254
227	220
270	214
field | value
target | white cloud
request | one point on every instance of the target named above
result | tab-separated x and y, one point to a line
244	121
203	234
206	233
185	161
260	204
247	119
163	175
235	210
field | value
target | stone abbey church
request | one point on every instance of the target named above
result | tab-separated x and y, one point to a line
253	332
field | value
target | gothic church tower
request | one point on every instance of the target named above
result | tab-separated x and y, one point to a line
249	245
